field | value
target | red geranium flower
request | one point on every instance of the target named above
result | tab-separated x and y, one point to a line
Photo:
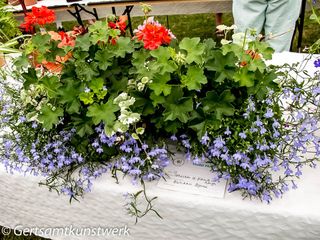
153	34
120	23
38	16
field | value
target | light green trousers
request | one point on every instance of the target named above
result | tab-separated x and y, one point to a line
277	17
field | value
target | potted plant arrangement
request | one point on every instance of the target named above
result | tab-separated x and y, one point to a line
92	100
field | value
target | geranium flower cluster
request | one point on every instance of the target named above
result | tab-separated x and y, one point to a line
119	23
64	39
38	16
153	34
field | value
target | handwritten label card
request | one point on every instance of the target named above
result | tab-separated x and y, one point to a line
185	176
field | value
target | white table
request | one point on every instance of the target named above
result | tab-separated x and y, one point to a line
104	7
186	216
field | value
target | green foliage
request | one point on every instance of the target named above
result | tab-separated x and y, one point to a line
8	24
30	77
50	117
103	113
177	106
159	84
190	86
194	78
220	105
194	49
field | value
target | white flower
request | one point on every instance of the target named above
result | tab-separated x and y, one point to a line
128	118
145	80
238	38
232	27
225	41
122	97
140	86
222	27
180	58
127	103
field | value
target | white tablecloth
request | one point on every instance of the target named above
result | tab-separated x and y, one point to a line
185	216
159	7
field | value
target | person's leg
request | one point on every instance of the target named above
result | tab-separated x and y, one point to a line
281	17
218	19
219	34
249	14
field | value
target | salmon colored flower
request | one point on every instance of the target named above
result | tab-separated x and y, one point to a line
253	55
52	67
66	38
78	30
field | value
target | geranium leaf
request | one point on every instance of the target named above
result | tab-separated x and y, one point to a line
233	48
194	48
223	65
194	78
118	85
159	84
103	113
83	42
68	94
30	77
122	47
80	55
96	85
86	71
162	64
257	64
49	117
178	110
202	127
219	104
41	42
142	104
265	83
54	52
21	61
157	99
51	84
99	32
83	126
73	107
86	97
104	58
244	77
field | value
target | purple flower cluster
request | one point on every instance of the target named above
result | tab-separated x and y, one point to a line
51	157
134	159
142	162
267	144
